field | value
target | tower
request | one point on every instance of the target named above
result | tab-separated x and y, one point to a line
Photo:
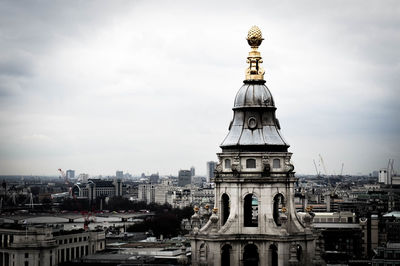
254	221
184	178
210	170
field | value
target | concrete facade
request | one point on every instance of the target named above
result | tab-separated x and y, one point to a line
46	246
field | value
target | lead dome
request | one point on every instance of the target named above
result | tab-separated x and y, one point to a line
253	95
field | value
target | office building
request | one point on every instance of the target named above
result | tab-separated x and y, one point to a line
184	178
210	170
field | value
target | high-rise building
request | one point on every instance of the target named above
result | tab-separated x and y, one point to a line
119	174
210	170
70	174
184	178
254	221
154	178
193	171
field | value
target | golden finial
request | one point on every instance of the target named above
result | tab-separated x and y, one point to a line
254	71
254	37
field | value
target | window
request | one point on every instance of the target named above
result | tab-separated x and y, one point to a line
273	255
26	255
276	163
251	163
225	208
299	253
278	204
26	263
250	211
226	255
250	255
228	163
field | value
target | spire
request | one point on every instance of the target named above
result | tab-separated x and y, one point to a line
254	71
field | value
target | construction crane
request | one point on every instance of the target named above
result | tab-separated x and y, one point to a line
334	190
87	220
64	176
390	171
323	164
316	169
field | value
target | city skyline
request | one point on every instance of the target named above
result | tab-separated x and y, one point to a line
99	87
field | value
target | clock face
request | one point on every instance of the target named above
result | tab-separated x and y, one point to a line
252	122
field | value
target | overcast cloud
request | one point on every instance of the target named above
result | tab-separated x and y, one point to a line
148	86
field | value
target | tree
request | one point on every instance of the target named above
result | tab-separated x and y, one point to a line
166	224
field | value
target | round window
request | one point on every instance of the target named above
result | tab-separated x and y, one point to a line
252	122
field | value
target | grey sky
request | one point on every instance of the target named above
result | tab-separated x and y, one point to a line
147	86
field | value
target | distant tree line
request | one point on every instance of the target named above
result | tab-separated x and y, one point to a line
166	220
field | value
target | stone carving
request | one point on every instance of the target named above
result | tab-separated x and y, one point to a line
289	168
266	170
236	169
218	169
214	221
308	217
195	219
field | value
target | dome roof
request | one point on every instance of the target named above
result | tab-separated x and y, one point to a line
253	95
254	125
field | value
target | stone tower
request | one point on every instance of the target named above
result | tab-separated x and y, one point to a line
254	221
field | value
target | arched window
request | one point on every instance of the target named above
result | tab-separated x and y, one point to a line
299	252
278	204
273	255
226	255
276	163
228	163
251	163
250	255
250	211
225	208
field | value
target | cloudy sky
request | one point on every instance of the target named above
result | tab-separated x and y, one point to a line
148	86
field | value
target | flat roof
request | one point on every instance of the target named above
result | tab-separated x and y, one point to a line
336	225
